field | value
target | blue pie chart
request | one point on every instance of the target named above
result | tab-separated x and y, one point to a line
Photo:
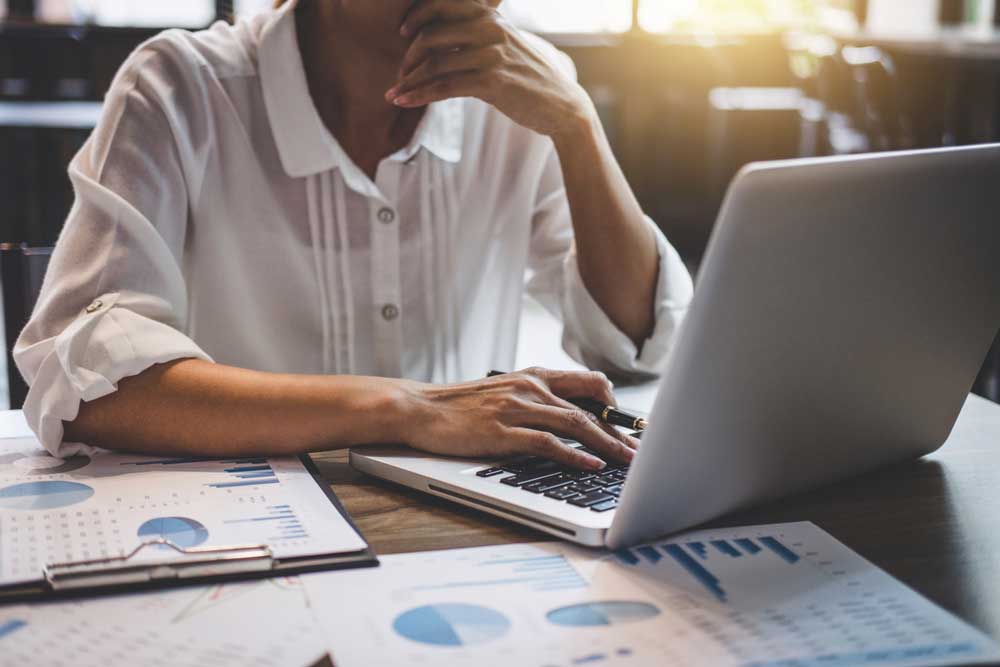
451	624
590	614
179	530
43	495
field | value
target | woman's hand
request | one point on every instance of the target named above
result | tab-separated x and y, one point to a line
464	48
517	413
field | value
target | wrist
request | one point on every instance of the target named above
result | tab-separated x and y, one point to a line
401	405
580	127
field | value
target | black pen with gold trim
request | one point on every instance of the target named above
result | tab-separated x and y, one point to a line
608	414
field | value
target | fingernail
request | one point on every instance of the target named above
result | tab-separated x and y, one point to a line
404	30
402	100
597	464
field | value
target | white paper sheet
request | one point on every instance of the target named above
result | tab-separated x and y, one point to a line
55	510
786	595
261	623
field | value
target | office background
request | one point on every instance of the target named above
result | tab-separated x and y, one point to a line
689	90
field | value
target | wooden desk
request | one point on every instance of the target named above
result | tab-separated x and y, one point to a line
933	523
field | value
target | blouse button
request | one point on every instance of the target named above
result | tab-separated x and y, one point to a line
386	215
390	312
95	306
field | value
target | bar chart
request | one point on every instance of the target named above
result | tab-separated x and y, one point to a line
233	473
692	557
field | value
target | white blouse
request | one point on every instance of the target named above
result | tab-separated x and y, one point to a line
217	218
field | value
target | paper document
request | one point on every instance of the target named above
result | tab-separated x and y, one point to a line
786	595
264	623
80	508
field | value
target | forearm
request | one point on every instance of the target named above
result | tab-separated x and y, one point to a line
616	250
193	407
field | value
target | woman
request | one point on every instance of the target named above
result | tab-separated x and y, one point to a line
277	220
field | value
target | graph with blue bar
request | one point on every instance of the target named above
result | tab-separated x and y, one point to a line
280	521
8	627
233	473
247	472
544	573
695	556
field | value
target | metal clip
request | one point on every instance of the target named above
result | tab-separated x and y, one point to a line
196	562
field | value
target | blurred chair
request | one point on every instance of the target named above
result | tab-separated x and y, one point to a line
748	125
834	89
44	63
877	110
22	270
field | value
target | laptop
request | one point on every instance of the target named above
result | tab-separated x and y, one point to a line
843	309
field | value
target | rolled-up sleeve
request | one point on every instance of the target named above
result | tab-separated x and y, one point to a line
114	299
589	335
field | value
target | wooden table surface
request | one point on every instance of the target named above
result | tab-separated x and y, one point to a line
933	523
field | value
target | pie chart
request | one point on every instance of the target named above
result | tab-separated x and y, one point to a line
45	495
589	614
451	624
179	530
39	463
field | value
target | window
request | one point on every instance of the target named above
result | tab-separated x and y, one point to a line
570	16
740	15
135	13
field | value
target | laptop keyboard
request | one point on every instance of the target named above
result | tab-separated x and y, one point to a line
597	490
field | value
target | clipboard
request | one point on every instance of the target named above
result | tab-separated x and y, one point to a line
199	565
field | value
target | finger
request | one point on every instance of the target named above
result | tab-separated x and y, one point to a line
427	11
548	398
580	426
546	445
463	84
447	37
445	64
575	384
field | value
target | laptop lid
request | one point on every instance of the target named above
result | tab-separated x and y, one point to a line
842	312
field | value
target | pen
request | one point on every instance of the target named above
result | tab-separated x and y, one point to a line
606	413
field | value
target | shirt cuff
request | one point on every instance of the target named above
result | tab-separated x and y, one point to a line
87	360
592	338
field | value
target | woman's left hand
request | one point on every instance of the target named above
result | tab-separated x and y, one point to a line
464	48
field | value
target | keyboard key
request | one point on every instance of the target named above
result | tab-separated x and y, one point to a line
591	499
526	478
525	464
579	475
586	487
490	472
562	493
614	489
604	506
550	483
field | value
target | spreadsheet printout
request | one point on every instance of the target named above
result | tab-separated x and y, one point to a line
92	507
785	595
264	623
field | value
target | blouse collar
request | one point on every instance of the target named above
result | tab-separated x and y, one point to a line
305	145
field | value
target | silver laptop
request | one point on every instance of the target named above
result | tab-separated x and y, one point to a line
842	312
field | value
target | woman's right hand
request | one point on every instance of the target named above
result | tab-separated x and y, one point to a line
516	414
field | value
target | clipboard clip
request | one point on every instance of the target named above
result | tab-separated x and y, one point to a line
196	562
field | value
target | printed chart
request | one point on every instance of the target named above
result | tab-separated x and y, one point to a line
85	507
219	625
768	596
